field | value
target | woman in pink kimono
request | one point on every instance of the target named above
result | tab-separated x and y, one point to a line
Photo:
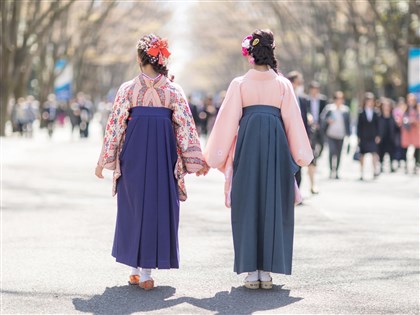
150	143
410	131
257	140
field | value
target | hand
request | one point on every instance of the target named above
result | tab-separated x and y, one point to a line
98	171
310	119
204	171
377	140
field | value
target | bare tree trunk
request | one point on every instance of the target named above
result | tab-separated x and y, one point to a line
4	57
16	55
10	17
360	83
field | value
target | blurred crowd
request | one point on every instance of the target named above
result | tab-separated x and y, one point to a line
204	110
53	113
385	129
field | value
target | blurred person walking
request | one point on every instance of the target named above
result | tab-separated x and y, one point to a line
258	161
296	78
23	115
151	143
18	116
49	113
194	110
368	133
61	113
31	113
316	104
74	114
211	111
105	109
14	108
336	126
86	114
410	131
387	133
398	114
203	119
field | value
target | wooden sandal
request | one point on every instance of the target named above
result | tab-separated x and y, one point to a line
252	285
267	285
134	280
147	285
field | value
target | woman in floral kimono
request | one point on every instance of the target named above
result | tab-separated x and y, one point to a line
151	143
256	141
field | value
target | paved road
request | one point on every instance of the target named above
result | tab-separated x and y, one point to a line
356	243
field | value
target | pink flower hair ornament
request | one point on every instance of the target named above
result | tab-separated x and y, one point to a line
246	45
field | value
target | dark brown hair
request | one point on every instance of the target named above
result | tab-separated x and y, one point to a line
338	94
368	96
263	51
146	59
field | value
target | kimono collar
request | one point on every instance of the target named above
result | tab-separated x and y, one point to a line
261	75
154	83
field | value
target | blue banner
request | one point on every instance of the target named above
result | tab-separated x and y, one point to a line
62	86
414	71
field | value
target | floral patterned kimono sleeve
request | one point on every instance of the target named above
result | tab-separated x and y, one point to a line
220	143
115	130
295	130
190	157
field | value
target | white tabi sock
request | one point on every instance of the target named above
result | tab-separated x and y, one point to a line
135	271
264	276
145	274
252	276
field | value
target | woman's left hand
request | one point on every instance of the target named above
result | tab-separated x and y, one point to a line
98	171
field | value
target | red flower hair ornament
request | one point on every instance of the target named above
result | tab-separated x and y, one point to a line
159	49
155	47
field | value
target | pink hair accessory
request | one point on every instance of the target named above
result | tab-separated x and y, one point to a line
246	44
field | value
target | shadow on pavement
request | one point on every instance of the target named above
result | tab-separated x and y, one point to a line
131	299
244	301
127	300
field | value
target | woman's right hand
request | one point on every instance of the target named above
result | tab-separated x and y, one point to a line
98	171
204	170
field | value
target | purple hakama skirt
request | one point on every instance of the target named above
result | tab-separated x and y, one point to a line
146	233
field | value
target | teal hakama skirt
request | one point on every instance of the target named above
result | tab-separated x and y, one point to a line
262	197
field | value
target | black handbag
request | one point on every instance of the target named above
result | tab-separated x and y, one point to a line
356	155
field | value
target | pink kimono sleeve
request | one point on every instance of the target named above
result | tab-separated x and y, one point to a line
115	130
295	130
223	134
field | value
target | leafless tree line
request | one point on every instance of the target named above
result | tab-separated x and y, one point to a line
36	34
349	45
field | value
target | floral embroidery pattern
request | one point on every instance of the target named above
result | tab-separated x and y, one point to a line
115	128
190	159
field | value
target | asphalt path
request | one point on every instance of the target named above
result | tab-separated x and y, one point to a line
356	247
